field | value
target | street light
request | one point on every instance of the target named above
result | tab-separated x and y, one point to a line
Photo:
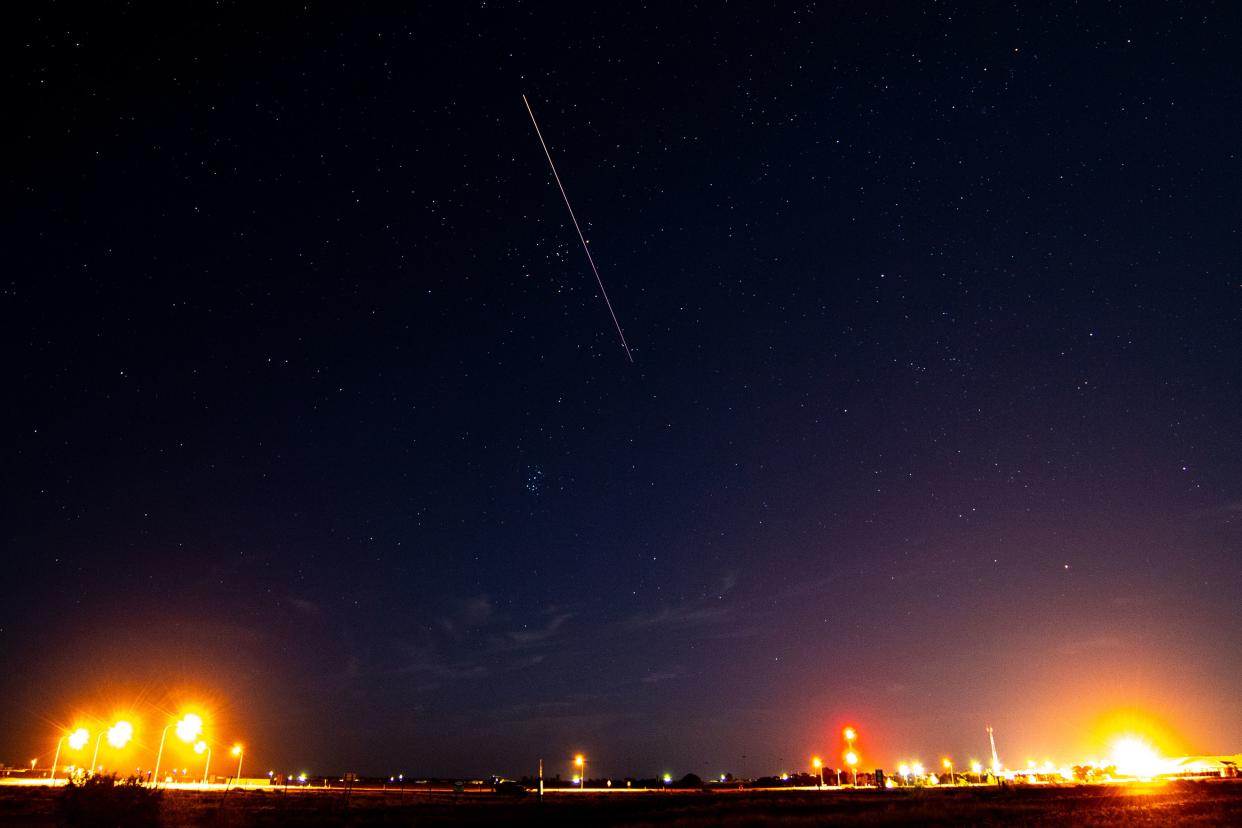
580	763
199	747
77	740
189	728
819	766
949	764
851	759
118	736
238	752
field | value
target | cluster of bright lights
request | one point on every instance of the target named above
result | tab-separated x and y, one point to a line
120	734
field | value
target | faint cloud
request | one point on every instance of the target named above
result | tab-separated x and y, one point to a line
476	611
660	677
526	636
305	606
683	616
1086	645
445	670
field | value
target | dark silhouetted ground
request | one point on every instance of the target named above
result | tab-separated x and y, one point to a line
1187	803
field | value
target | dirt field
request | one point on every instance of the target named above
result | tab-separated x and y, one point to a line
1189	803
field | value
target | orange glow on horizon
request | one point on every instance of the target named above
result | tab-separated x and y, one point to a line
1131	723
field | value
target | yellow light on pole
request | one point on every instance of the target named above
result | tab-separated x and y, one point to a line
851	759
118	736
238	752
976	767
199	747
818	764
77	740
850	734
580	763
948	763
189	728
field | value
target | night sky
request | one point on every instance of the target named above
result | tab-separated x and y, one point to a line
314	416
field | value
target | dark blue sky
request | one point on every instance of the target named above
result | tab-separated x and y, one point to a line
315	417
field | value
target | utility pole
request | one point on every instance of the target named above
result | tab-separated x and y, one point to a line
541	780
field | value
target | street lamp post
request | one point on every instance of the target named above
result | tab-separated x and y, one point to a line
188	729
199	747
580	763
819	767
238	752
851	758
55	759
949	764
77	741
118	736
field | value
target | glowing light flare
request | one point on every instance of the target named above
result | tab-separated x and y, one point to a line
120	734
237	750
850	734
200	746
1104	731
1133	756
816	762
189	728
78	738
851	758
